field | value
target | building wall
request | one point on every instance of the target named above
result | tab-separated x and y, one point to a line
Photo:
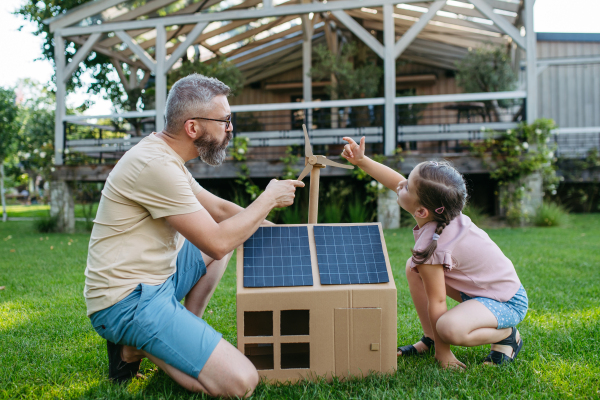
570	94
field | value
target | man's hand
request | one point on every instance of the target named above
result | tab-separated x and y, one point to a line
354	152
448	360
282	193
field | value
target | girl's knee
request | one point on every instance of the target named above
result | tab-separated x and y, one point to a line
450	331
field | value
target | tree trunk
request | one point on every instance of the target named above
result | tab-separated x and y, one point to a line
4	216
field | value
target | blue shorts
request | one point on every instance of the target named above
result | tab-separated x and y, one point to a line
152	318
508	314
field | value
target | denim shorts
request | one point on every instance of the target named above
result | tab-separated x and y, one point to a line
152	318
508	314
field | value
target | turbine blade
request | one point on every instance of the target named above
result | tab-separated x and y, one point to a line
307	149
305	171
325	161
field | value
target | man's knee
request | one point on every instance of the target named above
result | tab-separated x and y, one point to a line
245	382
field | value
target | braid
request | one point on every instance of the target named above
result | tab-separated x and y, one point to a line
421	256
441	189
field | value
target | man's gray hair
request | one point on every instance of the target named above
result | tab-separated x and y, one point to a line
188	97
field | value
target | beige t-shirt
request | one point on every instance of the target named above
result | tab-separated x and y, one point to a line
131	241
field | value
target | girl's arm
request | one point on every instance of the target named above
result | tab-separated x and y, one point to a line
355	154
435	288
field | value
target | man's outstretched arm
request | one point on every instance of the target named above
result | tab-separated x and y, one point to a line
217	239
218	208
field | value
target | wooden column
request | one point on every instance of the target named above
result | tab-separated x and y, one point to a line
389	83
532	79
59	131
161	77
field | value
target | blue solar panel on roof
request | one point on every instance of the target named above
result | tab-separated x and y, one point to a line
278	256
350	255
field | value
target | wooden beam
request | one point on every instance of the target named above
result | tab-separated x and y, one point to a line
317	7
81	54
502	23
414	30
78	13
142	10
360	32
141	53
190	38
110	53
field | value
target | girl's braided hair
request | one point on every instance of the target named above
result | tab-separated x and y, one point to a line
441	189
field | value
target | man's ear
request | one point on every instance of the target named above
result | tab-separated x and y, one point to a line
191	130
422	212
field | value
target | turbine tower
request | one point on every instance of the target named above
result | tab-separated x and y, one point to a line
315	163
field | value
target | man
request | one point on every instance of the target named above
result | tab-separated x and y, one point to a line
159	237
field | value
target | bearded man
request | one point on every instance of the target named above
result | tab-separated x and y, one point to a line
159	237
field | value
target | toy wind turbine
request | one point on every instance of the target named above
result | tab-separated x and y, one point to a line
315	163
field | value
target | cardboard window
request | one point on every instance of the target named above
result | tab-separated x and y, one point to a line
260	354
295	322
258	323
295	355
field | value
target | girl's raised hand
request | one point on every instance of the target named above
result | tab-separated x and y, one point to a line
353	152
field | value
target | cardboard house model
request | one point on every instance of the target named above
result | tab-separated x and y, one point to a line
316	301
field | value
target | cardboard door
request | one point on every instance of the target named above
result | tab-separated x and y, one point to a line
357	334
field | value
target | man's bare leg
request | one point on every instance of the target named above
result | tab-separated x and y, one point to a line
195	301
227	373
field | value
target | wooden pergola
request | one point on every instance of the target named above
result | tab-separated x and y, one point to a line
268	37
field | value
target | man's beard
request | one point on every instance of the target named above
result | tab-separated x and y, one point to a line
210	150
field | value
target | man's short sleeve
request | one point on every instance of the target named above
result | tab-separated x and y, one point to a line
163	188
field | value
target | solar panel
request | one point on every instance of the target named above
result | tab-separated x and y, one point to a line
278	256
350	255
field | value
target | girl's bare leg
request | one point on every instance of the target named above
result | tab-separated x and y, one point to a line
472	324
419	298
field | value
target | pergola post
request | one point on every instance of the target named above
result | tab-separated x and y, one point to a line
307	33
161	77
532	76
59	132
389	62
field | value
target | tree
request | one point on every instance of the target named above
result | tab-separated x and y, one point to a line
487	69
8	128
353	71
127	92
221	69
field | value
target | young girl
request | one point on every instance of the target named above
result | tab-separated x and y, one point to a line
452	257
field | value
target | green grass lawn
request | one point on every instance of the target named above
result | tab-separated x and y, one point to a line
49	350
43	210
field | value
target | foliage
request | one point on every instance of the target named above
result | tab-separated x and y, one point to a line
293	214
486	69
476	213
8	122
551	214
239	150
221	69
513	156
355	69
47	224
356	210
289	160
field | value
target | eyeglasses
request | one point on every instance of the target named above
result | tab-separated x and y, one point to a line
227	120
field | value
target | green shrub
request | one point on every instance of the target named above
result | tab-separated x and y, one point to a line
292	214
357	212
332	214
551	214
406	219
47	224
476	213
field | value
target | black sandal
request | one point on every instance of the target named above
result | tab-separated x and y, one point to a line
411	350
120	371
499	358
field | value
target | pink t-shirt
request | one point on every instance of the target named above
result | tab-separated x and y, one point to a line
473	263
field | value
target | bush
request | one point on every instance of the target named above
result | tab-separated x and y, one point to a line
332	214
475	213
357	212
551	214
47	224
292	214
